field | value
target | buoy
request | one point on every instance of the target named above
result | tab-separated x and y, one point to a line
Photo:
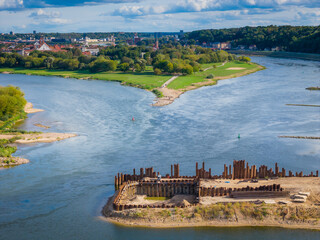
239	135
132	118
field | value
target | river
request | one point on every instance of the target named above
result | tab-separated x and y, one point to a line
60	193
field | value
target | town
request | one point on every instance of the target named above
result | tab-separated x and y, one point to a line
24	44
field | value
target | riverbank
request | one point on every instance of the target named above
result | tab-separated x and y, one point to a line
12	161
244	214
171	92
29	108
10	138
170	86
40	137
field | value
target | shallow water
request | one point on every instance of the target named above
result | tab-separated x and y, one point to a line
60	193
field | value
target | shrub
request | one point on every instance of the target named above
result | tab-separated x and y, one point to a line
158	93
210	76
157	71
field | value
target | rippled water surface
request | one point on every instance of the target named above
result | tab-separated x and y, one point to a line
60	193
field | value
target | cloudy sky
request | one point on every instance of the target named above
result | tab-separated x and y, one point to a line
152	15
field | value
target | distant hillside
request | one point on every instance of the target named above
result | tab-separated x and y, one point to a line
289	38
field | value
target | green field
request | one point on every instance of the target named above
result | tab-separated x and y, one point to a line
146	80
185	81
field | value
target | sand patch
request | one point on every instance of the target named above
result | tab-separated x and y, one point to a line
38	137
28	108
12	161
235	68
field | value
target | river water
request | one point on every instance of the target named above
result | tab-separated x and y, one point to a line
60	193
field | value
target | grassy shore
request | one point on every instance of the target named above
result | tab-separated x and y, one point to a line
228	70
209	75
146	80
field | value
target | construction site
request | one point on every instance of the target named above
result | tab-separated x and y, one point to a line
238	182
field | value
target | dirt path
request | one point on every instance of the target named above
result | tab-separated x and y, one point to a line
169	95
212	66
169	81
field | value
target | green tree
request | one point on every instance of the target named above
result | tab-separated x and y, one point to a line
124	67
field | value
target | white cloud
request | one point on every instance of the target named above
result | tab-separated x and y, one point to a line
8	4
43	14
51	18
134	11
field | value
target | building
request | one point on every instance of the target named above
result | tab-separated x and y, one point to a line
221	45
11	33
136	39
34	32
92	50
42	46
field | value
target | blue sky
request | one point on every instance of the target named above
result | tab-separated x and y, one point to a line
152	15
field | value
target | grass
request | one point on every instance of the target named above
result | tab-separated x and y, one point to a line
185	81
157	198
146	80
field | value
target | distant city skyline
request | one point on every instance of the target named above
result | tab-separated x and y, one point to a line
25	16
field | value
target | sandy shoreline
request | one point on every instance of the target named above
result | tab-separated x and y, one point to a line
213	224
26	138
29	108
13	161
38	137
169	95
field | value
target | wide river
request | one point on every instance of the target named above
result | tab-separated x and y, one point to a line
60	193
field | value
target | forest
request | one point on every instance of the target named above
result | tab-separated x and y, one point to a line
289	38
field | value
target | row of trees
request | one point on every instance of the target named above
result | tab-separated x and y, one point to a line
171	58
12	102
291	38
172	62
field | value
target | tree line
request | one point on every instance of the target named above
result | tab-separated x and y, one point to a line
290	38
169	59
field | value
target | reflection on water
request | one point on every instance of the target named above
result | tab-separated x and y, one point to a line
60	193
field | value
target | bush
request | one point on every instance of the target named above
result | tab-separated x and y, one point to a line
210	76
157	71
158	93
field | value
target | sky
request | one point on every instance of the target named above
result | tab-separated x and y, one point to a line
23	16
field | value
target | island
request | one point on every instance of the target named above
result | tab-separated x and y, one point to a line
14	108
242	195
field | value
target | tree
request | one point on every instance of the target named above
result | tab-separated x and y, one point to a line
124	67
187	69
157	71
48	62
102	65
137	67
